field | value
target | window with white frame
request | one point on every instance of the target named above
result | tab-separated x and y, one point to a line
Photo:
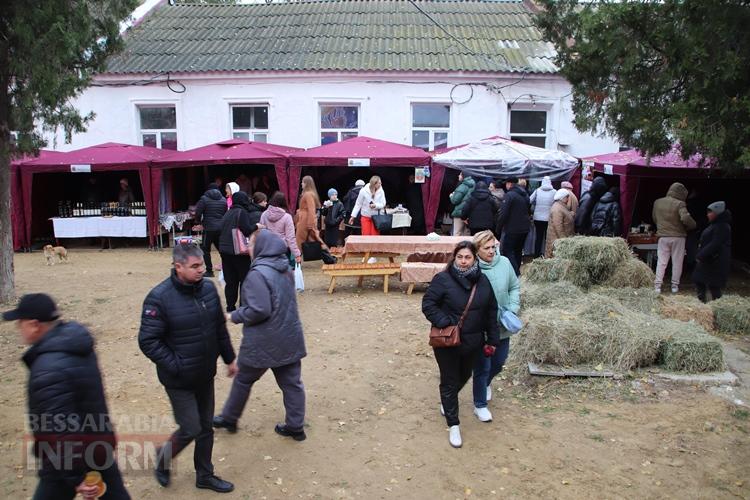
158	126
250	122
338	122
430	124
529	127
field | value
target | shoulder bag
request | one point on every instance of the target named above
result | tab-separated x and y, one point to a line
450	336
239	240
383	222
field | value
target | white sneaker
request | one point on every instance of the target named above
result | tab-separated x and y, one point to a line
455	437
489	393
372	260
657	289
675	289
442	410
483	414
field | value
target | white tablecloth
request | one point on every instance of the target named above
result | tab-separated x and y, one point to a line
91	227
401	220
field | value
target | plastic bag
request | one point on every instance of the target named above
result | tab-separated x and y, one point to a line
221	278
299	280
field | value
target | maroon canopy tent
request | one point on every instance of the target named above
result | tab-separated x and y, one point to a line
109	156
16	199
364	152
231	152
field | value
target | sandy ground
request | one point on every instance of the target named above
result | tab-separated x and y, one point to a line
374	430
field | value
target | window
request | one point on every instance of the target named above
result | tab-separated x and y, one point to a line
158	126
529	127
338	123
429	126
250	122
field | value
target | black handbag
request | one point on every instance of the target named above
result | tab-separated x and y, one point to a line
311	250
382	222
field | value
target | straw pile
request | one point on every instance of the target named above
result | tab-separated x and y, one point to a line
687	347
643	300
548	294
688	309
599	257
732	315
632	273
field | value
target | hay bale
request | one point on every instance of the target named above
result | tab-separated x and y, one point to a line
686	347
644	300
548	294
551	270
687	309
630	273
732	315
599	256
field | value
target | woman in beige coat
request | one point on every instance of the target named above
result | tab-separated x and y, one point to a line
306	218
561	223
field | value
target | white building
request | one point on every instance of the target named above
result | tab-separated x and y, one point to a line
429	73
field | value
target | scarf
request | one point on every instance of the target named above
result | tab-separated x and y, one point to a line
465	273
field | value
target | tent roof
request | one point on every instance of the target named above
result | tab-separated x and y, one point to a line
380	153
233	151
501	157
107	156
633	162
43	153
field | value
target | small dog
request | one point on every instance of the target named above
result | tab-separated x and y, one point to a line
50	252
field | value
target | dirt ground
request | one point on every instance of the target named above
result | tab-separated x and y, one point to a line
374	430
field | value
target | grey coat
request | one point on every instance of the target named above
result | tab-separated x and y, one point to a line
272	331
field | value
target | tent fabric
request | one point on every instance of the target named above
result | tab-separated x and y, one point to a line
231	152
379	154
498	157
108	156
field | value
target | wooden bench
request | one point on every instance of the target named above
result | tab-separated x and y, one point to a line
419	272
361	270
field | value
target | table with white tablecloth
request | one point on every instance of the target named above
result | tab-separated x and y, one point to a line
96	227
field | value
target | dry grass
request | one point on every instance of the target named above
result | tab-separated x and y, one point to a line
686	347
600	257
687	309
732	315
631	273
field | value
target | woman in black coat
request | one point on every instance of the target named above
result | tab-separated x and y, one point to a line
713	261
481	209
442	305
606	218
245	216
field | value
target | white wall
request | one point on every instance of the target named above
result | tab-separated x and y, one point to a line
203	109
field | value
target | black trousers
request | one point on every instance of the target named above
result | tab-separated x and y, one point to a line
456	365
702	287
209	238
193	411
541	237
235	268
513	249
57	489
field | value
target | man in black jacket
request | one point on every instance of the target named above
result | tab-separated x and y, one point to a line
183	331
208	212
481	209
513	222
350	199
589	199
68	415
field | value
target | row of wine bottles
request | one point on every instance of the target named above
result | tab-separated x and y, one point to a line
67	209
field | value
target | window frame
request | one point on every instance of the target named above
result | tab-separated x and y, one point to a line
431	130
338	131
531	107
250	131
140	132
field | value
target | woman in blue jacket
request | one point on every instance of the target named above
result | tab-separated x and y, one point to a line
507	289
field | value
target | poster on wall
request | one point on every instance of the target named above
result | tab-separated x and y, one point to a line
419	175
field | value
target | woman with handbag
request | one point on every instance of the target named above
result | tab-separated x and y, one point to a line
278	221
238	223
461	306
370	201
307	214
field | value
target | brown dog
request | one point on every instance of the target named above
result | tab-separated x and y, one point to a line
50	252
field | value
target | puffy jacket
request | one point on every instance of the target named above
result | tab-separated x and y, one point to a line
210	209
588	201
606	219
64	380
278	221
714	258
560	224
334	214
506	287
244	215
446	298
272	330
460	197
481	209
542	200
513	217
183	331
349	201
671	215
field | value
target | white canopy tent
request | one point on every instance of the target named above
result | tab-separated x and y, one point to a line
497	157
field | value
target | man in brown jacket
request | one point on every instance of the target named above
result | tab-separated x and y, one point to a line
673	221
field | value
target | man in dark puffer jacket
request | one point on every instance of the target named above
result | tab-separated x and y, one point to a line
513	222
183	331
67	410
208	212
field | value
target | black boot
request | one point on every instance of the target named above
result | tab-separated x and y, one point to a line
222	423
285	431
214	483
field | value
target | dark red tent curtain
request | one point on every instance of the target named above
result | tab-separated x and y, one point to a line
16	209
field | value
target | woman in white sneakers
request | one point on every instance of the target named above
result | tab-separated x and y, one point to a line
371	199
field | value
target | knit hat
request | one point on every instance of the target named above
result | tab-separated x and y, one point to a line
332	192
359	183
233	187
717	207
561	194
566	185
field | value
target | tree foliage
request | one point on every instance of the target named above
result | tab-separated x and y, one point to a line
49	52
654	72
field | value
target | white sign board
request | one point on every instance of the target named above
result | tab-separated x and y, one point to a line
359	162
80	169
608	169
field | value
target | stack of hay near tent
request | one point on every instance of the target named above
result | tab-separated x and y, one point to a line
732	315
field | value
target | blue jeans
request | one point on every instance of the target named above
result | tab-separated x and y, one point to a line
485	370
